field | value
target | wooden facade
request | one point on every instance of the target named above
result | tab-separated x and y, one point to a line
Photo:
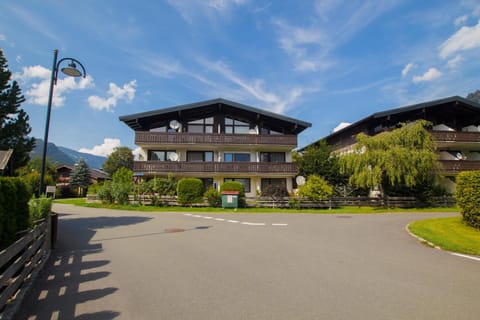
217	140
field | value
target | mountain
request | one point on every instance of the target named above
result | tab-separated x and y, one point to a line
66	156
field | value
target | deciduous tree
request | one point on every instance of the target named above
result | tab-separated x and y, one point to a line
121	157
402	157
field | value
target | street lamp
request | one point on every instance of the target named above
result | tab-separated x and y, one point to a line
72	71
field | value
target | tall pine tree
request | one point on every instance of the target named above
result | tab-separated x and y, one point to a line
80	176
14	126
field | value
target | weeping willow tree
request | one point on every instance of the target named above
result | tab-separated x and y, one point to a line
403	157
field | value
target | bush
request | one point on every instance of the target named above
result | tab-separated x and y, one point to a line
105	192
39	208
189	191
315	189
14	213
235	186
468	197
213	197
122	185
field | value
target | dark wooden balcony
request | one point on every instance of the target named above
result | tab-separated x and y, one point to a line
454	167
164	167
164	138
455	136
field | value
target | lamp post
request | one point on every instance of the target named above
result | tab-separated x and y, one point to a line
72	71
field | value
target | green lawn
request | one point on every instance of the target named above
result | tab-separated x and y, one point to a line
349	210
450	234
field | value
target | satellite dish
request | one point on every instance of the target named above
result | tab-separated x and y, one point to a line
174	124
173	156
300	180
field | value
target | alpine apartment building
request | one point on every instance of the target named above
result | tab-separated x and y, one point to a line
217	141
456	131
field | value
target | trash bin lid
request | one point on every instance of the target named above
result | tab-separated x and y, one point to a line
230	192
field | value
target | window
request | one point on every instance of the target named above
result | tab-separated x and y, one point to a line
236	157
159	129
201	125
200	156
161	155
244	181
273	181
236	126
272	156
207	183
268	131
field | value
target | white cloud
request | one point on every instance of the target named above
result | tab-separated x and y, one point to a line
278	103
455	62
136	153
37	92
460	21
126	93
103	150
190	9
340	126
464	39
430	75
2	37
407	69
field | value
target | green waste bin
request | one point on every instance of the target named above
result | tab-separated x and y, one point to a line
230	199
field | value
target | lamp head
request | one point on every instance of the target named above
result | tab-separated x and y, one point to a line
71	70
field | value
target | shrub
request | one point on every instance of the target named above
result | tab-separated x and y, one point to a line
122	185
468	197
213	197
39	208
14	213
189	191
105	192
235	186
315	189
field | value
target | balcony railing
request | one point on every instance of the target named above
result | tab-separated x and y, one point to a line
455	136
456	166
157	138
214	167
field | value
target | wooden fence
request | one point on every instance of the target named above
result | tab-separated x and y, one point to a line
19	265
287	202
337	202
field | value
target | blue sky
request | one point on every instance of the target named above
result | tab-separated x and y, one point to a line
321	61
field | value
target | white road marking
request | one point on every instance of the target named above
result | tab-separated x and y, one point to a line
254	224
465	256
236	221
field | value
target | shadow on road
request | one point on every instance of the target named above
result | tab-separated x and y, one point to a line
69	276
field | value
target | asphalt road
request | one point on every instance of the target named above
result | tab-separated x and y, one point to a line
135	265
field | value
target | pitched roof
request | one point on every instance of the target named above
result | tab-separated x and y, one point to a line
4	158
411	112
140	121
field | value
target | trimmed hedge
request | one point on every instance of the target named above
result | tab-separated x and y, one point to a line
467	195
189	191
14	212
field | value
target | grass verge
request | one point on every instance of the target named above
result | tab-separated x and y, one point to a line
450	234
349	210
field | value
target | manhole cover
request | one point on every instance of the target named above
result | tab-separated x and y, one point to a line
344	217
173	230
